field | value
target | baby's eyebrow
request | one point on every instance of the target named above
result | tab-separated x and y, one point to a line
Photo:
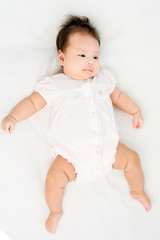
85	50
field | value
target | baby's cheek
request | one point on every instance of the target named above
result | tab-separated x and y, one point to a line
96	71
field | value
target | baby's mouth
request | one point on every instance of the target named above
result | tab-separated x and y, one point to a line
87	70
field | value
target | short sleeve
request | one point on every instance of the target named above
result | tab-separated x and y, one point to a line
46	88
111	81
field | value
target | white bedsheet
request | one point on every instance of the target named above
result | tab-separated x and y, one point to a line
130	49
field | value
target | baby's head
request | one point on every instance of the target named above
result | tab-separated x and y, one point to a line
78	44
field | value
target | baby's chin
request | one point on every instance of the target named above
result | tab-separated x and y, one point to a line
81	76
85	76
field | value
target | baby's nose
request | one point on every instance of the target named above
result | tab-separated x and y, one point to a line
89	61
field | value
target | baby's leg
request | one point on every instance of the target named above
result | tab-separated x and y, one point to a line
60	173
129	161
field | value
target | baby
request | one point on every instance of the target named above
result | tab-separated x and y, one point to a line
82	134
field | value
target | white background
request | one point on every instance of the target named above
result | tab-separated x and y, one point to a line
130	48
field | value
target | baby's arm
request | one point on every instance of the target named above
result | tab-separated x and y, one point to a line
23	110
125	103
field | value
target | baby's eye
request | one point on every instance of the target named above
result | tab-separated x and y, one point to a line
81	55
95	57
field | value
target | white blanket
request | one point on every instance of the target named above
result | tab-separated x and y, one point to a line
130	48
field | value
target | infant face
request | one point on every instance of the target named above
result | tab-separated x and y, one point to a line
80	60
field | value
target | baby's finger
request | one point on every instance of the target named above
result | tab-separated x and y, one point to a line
7	127
134	124
138	125
11	128
141	124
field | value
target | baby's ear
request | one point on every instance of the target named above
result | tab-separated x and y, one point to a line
61	57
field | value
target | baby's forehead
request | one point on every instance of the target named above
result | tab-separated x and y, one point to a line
81	34
83	41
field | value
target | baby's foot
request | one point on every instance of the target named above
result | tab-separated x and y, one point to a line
52	221
143	199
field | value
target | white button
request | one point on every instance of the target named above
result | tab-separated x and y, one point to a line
96	134
93	113
98	152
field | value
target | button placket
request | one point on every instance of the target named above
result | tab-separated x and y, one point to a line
95	131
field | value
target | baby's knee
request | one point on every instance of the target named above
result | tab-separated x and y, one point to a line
133	161
57	178
136	159
61	172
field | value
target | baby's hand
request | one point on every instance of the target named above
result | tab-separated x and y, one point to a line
137	120
8	124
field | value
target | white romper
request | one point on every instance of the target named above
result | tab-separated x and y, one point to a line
82	128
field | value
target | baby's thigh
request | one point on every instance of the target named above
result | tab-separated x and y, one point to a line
124	154
62	169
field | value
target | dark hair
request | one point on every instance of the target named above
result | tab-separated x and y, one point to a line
74	24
